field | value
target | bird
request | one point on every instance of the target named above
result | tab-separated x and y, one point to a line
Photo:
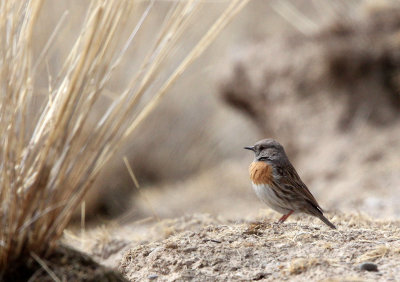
278	185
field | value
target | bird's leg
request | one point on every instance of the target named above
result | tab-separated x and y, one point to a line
284	217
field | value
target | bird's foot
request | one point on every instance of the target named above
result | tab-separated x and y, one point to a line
284	217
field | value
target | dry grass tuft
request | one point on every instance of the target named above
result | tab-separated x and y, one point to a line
301	265
378	252
50	155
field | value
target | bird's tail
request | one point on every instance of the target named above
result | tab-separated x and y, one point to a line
326	221
316	210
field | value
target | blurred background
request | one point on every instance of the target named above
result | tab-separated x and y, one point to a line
321	77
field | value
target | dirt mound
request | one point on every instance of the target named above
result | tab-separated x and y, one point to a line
267	251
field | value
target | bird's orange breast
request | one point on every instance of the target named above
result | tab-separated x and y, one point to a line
260	173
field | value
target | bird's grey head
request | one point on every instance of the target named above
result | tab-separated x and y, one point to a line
268	150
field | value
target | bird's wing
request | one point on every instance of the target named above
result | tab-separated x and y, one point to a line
292	179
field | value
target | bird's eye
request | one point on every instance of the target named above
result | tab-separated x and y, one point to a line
264	159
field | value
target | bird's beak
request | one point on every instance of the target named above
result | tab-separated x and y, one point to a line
250	148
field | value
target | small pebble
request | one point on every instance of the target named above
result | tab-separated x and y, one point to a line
152	276
369	266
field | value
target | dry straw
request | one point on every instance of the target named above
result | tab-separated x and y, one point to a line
49	157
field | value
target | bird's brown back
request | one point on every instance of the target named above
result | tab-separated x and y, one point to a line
291	178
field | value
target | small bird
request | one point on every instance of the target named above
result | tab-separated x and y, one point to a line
277	183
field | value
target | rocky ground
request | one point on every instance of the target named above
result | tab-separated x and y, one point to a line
304	250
